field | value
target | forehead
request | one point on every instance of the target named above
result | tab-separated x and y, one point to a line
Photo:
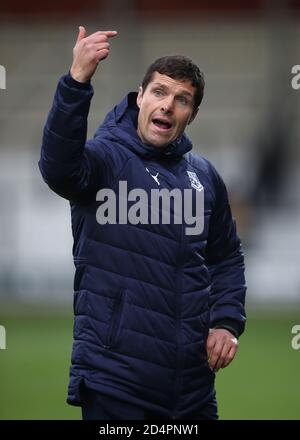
176	85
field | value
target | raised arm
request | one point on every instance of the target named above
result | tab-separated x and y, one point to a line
72	167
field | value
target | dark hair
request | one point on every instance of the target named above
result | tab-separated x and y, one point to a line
178	67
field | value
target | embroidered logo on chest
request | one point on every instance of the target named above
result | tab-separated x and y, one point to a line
155	176
195	182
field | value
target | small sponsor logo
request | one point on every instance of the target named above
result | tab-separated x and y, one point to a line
154	176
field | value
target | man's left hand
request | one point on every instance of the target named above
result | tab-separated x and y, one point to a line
221	346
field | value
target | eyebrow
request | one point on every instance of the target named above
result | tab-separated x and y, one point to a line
163	86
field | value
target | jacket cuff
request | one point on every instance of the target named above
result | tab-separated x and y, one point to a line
71	97
230	325
71	82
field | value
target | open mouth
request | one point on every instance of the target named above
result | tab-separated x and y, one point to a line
160	123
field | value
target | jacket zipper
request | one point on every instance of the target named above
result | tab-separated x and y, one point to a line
179	357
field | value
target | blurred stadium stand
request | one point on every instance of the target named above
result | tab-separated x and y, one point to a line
246	50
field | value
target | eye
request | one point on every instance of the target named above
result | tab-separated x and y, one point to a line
158	92
182	100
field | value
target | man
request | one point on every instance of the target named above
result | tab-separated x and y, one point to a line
158	305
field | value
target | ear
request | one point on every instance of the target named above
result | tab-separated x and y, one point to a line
194	114
139	97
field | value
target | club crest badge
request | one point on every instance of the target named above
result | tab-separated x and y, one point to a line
195	182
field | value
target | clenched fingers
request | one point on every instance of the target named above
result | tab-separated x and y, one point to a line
96	38
221	348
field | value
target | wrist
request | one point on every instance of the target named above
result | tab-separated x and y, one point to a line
78	76
228	328
71	83
228	324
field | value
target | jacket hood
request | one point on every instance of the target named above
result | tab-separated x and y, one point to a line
120	125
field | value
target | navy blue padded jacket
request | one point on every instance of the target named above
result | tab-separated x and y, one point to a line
145	295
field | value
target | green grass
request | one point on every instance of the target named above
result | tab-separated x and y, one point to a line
34	368
263	382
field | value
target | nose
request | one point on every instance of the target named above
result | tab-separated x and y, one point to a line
167	105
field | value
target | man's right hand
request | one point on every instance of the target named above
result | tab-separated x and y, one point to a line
88	52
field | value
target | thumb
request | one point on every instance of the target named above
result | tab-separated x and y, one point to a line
81	33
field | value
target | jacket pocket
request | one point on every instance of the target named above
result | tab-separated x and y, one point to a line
204	320
116	319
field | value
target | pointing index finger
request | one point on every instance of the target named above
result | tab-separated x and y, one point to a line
109	33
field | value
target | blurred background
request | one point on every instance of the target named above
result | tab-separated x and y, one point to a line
247	126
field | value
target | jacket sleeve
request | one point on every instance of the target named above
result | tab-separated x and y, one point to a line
225	262
71	166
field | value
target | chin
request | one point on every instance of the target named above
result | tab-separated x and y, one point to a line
160	143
